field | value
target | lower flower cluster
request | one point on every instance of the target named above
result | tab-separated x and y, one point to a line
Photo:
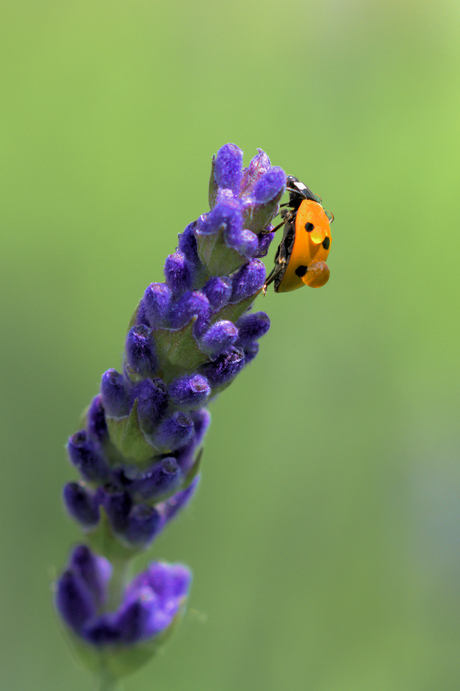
138	453
149	603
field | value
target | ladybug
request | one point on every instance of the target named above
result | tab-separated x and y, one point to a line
300	257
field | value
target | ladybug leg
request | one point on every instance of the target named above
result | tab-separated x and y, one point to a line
277	227
272	276
286	216
280	261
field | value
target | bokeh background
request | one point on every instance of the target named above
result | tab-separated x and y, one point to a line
325	537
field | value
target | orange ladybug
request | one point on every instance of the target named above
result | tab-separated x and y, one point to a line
300	257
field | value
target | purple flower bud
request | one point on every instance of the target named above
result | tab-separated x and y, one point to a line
178	273
248	281
219	337
246	243
141	315
133	620
222	370
252	327
74	601
218	290
96	424
225	216
228	167
190	305
233	230
259	209
270	186
187	244
157	302
123	478
250	351
259	165
265	240
81	505
186	457
201	421
118	506
189	392
173	433
101	630
151	403
159	480
85	457
115	394
168	581
142	526
138	618
140	353
94	571
168	585
169	508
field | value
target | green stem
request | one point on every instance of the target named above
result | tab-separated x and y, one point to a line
106	683
117	583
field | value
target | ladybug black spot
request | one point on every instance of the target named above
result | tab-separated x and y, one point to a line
309	227
326	243
301	271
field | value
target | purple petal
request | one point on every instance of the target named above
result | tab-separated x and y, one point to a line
173	433
86	458
74	601
81	505
152	403
189	392
248	281
229	167
218	338
115	394
157	303
94	571
96	424
178	273
252	327
140	353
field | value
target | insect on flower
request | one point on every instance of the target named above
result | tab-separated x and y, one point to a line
300	257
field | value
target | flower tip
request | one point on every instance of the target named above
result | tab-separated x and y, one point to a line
190	392
173	433
81	504
178	273
257	167
115	393
271	185
229	167
140	355
248	281
95	420
84	455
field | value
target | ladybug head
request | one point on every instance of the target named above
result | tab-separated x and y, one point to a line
298	191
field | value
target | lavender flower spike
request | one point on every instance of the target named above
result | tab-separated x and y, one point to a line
139	452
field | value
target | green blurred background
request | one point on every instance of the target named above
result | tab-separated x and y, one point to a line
325	537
